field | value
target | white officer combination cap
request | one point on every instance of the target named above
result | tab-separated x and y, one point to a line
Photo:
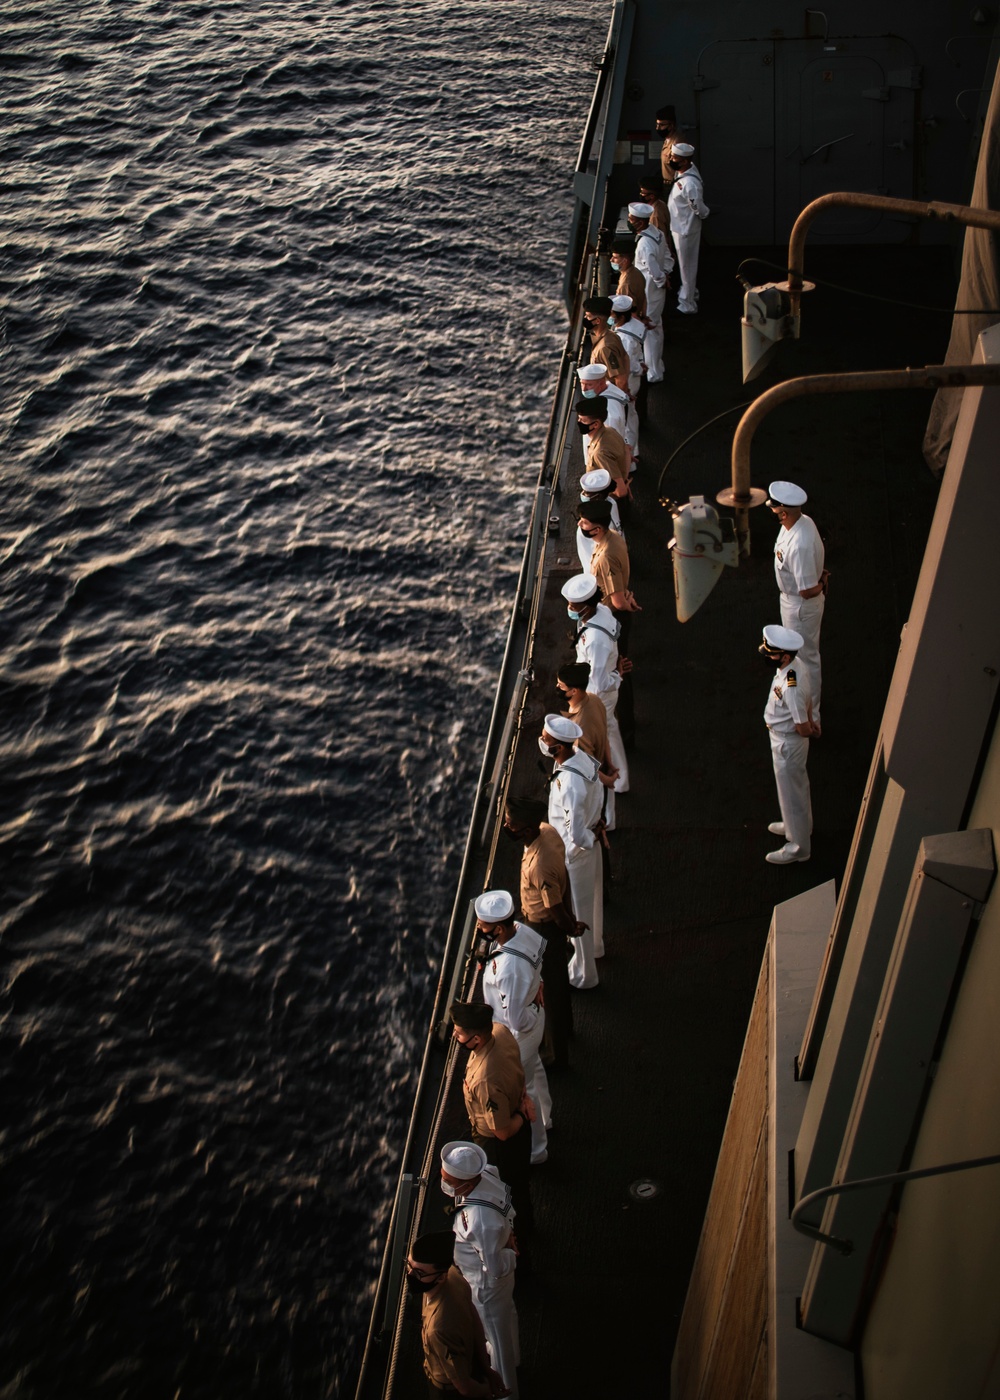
782	638
595	481
621	303
494	906
565	729
579	588
463	1160
682	149
640	210
786	493
587	373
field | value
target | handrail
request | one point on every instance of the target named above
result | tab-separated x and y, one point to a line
846	1247
455	967
604	69
454	964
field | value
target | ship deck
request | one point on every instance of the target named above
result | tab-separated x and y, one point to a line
658	1043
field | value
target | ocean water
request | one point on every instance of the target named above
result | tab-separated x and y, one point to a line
280	305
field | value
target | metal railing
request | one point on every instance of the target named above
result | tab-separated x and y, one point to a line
457	974
844	1246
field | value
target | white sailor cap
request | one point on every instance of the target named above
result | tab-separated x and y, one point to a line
494	906
586	373
463	1160
579	588
782	638
682	149
595	481
786	493
640	210
565	729
621	303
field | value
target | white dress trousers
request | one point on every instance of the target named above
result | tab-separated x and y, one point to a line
805	616
789	754
586	888
653	344
688	246
487	1263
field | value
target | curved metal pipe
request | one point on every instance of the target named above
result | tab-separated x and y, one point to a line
742	496
862	1183
847	199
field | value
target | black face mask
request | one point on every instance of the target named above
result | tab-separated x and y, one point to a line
769	656
587	534
674	164
584	427
517	836
421	1285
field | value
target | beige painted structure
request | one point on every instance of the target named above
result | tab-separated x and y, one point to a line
899	1065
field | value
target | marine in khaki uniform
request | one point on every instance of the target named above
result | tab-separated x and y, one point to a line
604	449
609	562
605	347
651	193
622	414
496	1100
546	906
666	126
456	1361
609	565
631	282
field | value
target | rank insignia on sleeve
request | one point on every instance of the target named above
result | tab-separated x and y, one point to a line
790	678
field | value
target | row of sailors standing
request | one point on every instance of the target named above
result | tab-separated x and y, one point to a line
469	1318
466	1275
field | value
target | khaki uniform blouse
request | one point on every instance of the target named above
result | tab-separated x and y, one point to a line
494	1083
543	872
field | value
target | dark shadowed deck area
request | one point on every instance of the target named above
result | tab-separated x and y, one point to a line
658	1043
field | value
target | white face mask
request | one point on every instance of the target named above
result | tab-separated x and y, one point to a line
447	1188
543	747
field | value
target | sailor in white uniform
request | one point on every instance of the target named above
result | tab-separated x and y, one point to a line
483	1223
575	801
594	383
597	631
512	981
799	559
788	716
655	261
596	486
632	334
687	208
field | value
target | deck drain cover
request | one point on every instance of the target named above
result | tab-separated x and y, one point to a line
644	1189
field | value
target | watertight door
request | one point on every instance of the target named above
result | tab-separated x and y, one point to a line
811	118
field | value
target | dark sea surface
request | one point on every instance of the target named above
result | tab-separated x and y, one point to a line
280	312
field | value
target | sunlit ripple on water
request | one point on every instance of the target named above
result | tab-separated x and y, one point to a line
280	305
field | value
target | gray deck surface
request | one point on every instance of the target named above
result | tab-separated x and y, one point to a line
658	1043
